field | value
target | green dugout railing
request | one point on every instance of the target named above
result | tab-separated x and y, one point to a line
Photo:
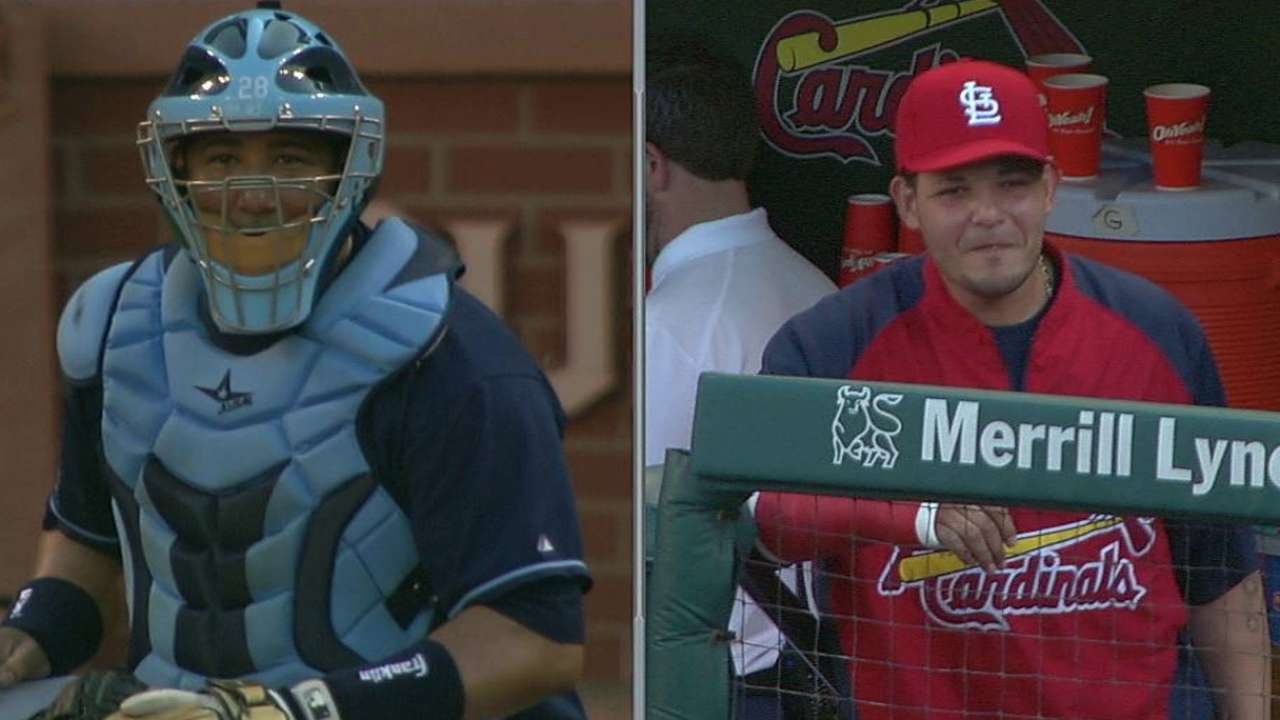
914	441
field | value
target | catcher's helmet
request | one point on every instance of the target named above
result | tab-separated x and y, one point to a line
261	70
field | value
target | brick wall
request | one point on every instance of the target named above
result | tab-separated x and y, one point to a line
535	152
27	364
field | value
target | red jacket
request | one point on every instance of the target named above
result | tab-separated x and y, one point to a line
1086	629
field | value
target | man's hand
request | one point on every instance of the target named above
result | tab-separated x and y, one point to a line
221	700
21	658
977	534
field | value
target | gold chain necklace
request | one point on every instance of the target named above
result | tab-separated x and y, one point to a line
1046	269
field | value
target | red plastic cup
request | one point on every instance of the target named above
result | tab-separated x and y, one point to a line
1077	112
1043	67
869	228
1176	116
870	222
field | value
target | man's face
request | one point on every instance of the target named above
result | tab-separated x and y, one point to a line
252	224
983	224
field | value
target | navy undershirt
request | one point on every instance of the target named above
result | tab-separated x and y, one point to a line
1014	342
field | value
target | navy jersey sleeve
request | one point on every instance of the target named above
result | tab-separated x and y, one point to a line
827	339
490	499
551	607
1201	367
1209	559
785	354
1161	318
80	505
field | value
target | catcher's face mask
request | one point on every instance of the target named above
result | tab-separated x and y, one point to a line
255	196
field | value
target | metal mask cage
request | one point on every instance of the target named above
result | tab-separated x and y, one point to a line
286	268
361	168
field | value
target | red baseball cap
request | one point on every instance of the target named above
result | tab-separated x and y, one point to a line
967	111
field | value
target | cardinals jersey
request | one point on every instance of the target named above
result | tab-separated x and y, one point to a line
1083	628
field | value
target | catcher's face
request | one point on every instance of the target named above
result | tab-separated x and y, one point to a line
256	194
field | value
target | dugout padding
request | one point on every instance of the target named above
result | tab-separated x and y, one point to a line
753	433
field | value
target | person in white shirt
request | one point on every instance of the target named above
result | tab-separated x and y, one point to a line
722	281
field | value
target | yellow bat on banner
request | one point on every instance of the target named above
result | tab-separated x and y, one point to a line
857	36
944	562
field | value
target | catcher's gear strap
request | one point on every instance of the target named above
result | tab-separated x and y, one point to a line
409	684
311	700
62	618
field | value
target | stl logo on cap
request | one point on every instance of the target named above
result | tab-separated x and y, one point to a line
998	114
980	104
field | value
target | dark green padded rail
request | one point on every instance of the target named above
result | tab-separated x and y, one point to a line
690	596
755	433
1040	450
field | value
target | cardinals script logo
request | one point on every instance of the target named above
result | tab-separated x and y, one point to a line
1040	575
821	93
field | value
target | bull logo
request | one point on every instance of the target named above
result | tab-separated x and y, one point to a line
863	430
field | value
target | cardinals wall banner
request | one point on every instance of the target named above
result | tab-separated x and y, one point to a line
828	76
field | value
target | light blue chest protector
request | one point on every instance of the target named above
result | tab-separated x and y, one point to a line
255	541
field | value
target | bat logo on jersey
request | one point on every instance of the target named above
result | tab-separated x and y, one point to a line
1038	578
822	94
863	430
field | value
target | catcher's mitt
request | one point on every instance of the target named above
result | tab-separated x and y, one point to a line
93	696
231	700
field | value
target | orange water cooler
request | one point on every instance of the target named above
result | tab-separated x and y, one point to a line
1216	248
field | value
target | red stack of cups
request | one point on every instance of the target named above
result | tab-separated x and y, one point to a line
870	235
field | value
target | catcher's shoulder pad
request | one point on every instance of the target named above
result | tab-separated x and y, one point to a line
83	326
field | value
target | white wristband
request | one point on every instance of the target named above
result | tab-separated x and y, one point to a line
926	527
